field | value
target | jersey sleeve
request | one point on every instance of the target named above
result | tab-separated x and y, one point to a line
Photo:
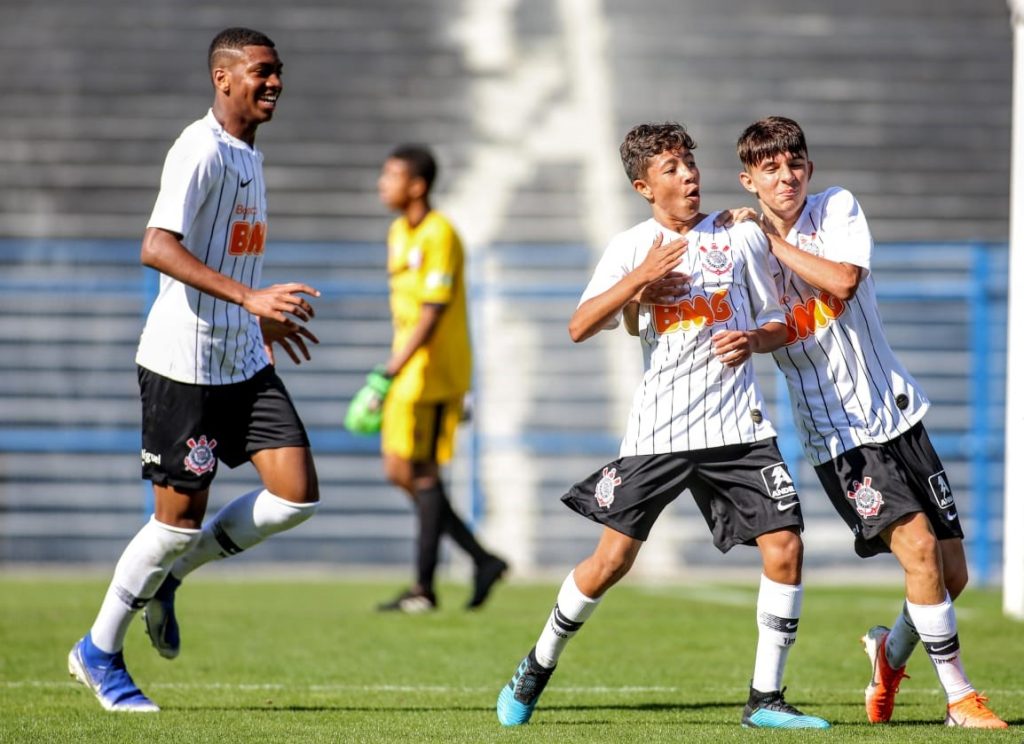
845	228
191	170
610	270
442	260
765	305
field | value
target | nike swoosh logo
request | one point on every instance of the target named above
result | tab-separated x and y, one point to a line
784	507
951	516
243	184
943	649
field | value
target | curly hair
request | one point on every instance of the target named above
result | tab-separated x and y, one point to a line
768	137
644	141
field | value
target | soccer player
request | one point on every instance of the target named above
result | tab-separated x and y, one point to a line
429	369
859	414
208	386
704	302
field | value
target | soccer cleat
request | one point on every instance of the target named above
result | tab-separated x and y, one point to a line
413	601
770	710
161	623
971	712
486	576
880	694
519	697
106	675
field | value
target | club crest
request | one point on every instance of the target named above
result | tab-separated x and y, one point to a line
200	458
866	499
716	260
809	243
604	492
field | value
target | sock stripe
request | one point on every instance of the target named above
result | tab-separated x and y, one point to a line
780	624
224	541
564	623
942	647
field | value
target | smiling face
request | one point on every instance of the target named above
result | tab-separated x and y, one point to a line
780	184
248	84
672	185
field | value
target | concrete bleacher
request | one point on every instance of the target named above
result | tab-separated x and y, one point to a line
906	102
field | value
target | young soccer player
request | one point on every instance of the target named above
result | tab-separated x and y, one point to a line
859	414
208	386
428	374
704	303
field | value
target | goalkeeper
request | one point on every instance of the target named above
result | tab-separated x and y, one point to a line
419	391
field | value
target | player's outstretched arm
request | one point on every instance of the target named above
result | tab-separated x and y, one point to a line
594	314
162	250
733	348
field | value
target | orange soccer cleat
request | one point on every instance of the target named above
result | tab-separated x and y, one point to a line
880	694
971	712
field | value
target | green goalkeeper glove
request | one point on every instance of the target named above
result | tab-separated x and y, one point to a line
367	406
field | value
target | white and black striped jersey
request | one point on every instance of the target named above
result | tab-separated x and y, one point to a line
687	399
212	194
846	385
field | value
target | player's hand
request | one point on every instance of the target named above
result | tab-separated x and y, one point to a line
285	334
732	348
280	300
661	259
365	412
729	217
669	290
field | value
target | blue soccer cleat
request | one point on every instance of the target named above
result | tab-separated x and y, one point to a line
519	697
770	710
161	623
106	675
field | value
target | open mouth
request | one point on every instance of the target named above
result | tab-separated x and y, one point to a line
268	100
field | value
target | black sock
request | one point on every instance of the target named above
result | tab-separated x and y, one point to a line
430	505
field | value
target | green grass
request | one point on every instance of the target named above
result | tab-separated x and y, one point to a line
308	660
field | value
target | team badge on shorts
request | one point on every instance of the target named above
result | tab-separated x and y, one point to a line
604	492
941	491
866	499
200	458
716	260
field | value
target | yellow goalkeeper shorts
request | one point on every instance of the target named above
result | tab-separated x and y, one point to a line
420	432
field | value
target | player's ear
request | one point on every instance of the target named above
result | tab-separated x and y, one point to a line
644	189
221	79
810	169
418	187
747	182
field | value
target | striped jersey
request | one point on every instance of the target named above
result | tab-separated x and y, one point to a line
212	193
687	399
846	386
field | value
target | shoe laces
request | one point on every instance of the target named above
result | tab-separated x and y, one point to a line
775	701
532	680
976	704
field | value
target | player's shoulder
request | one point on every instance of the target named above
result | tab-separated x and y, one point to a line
198	141
834	199
640	235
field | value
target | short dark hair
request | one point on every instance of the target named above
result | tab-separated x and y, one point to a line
420	160
768	137
644	141
235	39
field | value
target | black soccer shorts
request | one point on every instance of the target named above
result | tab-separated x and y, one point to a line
874	485
187	429
743	491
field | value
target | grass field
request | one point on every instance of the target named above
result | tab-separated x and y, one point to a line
308	660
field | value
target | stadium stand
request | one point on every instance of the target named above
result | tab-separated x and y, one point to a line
906	102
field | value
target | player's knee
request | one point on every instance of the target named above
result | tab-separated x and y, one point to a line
783	555
274	514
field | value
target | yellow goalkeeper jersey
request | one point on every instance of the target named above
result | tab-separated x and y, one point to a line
425	266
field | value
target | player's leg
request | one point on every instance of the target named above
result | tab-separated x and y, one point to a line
577	600
748	497
97	660
626	496
255	421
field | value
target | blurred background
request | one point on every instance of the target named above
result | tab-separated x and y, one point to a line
905	102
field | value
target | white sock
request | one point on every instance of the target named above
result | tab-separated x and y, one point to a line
936	625
778	614
138	574
572	608
244	522
902	640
